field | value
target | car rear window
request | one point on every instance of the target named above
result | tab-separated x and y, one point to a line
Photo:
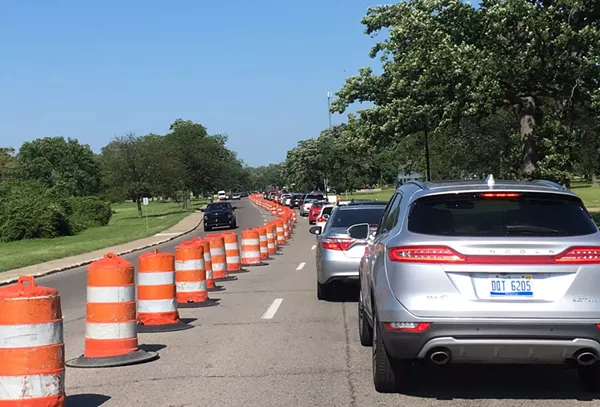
218	207
347	217
315	197
501	213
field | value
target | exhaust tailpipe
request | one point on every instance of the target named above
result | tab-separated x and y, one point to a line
440	356
586	358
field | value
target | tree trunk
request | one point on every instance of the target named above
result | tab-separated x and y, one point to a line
527	112
139	206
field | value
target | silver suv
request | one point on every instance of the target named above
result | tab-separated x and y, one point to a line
481	272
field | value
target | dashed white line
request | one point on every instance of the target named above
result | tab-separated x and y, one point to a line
301	266
314	247
272	310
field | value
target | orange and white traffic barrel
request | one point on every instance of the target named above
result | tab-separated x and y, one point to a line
110	323
286	228
279	231
32	371
251	248
210	281
232	252
219	258
190	276
263	244
156	294
271	241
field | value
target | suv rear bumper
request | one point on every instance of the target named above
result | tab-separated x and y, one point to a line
496	343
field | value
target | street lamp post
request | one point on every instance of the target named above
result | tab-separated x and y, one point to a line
329	106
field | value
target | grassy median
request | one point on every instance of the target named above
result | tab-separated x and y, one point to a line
124	226
589	194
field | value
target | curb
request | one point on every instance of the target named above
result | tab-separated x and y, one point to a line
86	262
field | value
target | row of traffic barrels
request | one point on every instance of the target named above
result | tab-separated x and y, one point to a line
121	301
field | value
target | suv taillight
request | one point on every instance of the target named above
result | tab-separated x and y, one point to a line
321	219
579	255
425	254
443	254
331	243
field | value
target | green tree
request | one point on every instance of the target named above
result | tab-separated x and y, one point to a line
64	165
8	163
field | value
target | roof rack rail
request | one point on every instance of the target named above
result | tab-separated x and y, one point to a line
547	183
420	184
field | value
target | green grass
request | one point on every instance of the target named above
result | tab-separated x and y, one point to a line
589	194
124	226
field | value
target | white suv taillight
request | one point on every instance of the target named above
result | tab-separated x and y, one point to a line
443	254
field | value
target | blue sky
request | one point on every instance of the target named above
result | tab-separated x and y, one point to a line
256	70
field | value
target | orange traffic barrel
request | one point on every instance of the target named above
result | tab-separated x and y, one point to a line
251	248
286	228
190	276
32	372
232	252
156	294
271	248
219	258
210	281
110	324
263	244
280	231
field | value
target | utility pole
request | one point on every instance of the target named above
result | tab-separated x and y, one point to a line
428	168
329	106
325	182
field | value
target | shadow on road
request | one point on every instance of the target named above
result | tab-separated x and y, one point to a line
86	400
342	292
498	382
155	347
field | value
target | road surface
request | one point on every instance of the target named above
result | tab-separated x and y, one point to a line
271	343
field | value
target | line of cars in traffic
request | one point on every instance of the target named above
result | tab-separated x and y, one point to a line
486	271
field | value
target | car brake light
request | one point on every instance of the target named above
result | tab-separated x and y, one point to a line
407	326
500	195
426	254
442	254
321	219
579	255
331	243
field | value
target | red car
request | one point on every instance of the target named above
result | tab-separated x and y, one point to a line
315	209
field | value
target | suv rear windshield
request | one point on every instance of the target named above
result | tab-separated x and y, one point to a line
500	213
221	206
347	217
314	196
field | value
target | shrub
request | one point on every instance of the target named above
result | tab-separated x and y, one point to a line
87	212
28	209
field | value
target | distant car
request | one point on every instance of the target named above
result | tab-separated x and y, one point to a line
222	196
236	196
306	205
314	211
286	199
295	201
323	215
219	214
338	255
481	272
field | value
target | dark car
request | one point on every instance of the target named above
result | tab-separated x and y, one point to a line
219	214
296	200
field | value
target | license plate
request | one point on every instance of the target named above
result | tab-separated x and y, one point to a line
509	286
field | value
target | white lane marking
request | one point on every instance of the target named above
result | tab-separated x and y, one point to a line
270	312
314	247
301	266
168	234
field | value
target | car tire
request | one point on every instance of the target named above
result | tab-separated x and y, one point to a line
233	225
207	229
323	291
365	331
389	376
590	377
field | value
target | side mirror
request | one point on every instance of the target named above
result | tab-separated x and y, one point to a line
203	210
315	230
359	231
233	208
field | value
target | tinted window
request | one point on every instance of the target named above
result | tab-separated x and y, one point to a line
218	206
525	214
392	205
327	210
314	196
348	217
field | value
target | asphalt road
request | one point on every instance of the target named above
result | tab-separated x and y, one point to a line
271	343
